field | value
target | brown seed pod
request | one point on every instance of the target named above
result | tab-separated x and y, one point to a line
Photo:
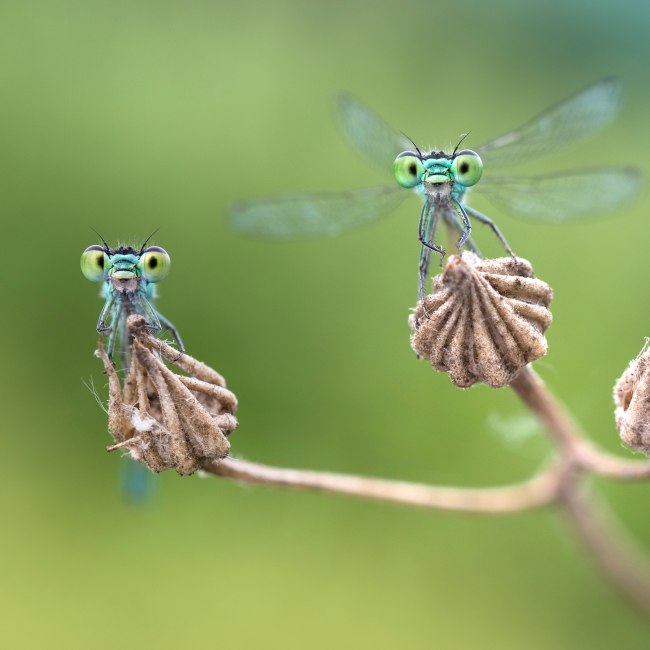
632	400
165	419
483	321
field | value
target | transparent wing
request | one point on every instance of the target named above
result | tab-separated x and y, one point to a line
571	120
560	197
304	215
369	133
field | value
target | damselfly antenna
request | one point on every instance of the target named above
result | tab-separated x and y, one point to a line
106	246
413	143
146	241
460	142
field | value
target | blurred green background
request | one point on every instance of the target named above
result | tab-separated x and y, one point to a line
126	116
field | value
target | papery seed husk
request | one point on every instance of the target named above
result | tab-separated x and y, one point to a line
165	419
483	321
632	400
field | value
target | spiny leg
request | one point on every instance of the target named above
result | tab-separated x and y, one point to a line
156	321
108	306
112	329
425	256
488	222
453	222
174	332
426	233
150	314
467	224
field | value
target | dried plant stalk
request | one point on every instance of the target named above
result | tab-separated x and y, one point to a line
632	399
164	419
483	321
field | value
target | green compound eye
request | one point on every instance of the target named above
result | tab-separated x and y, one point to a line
467	167
407	169
155	264
93	263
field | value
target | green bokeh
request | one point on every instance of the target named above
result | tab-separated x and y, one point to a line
126	116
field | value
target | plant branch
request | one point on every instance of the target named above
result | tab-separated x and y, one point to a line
564	431
619	557
567	434
497	312
604	464
622	562
538	491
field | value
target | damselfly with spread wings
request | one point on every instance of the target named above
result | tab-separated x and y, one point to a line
441	180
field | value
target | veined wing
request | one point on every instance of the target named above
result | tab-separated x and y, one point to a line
571	120
304	215
369	133
560	197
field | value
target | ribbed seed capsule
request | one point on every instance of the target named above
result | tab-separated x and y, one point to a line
162	418
483	321
632	400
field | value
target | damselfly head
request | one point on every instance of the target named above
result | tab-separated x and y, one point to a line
125	264
433	170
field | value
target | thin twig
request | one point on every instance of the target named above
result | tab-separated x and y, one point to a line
618	556
625	566
610	466
538	491
565	432
620	560
568	435
560	483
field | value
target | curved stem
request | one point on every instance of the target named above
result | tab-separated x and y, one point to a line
618	556
538	491
568	435
532	391
604	464
621	560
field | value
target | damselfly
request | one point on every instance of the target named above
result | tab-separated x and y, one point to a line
441	180
128	276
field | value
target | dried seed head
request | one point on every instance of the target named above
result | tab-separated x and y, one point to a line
483	321
164	419
632	399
